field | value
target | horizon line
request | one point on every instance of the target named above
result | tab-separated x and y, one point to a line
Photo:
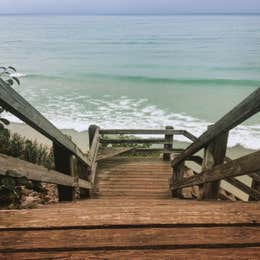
134	14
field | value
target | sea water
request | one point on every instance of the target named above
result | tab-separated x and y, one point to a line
136	71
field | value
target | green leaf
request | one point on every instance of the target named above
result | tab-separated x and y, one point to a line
5	121
17	80
12	68
10	82
8	183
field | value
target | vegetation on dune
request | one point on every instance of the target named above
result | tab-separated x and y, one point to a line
13	189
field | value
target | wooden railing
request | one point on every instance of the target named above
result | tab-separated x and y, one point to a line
169	132
214	141
69	159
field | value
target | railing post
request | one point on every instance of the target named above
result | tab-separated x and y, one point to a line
168	144
74	163
91	134
178	173
214	154
62	160
255	186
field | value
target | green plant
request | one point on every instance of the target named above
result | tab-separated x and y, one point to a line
125	137
6	74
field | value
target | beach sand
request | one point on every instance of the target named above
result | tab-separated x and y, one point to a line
81	139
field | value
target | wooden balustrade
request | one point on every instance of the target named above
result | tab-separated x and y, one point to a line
214	141
69	159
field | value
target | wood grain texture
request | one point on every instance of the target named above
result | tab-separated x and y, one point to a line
123	237
133	217
252	253
133	178
241	166
17	168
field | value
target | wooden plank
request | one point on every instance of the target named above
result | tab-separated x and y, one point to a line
136	131
18	168
141	238
243	111
146	150
134	141
242	166
17	105
190	136
252	253
243	187
214	154
110	152
94	145
168	144
106	212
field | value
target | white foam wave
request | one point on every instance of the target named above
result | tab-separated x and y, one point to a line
18	75
123	112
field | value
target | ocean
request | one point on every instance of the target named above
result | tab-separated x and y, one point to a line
136	71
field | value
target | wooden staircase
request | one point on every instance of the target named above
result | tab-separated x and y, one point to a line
133	178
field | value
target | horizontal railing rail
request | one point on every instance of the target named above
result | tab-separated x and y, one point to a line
249	107
168	140
17	168
214	141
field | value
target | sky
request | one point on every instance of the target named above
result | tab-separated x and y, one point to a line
129	6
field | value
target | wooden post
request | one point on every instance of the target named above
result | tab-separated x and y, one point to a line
91	133
62	160
214	154
178	172
168	146
75	173
255	185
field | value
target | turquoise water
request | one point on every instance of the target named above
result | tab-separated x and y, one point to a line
136	71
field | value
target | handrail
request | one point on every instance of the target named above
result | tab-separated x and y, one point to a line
148	132
93	153
243	111
17	105
17	168
241	166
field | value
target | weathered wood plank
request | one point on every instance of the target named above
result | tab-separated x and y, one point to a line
106	212
242	166
18	168
136	131
110	152
135	141
243	187
243	111
214	154
143	237
252	253
17	105
94	145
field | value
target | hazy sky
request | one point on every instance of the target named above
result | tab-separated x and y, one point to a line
129	6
